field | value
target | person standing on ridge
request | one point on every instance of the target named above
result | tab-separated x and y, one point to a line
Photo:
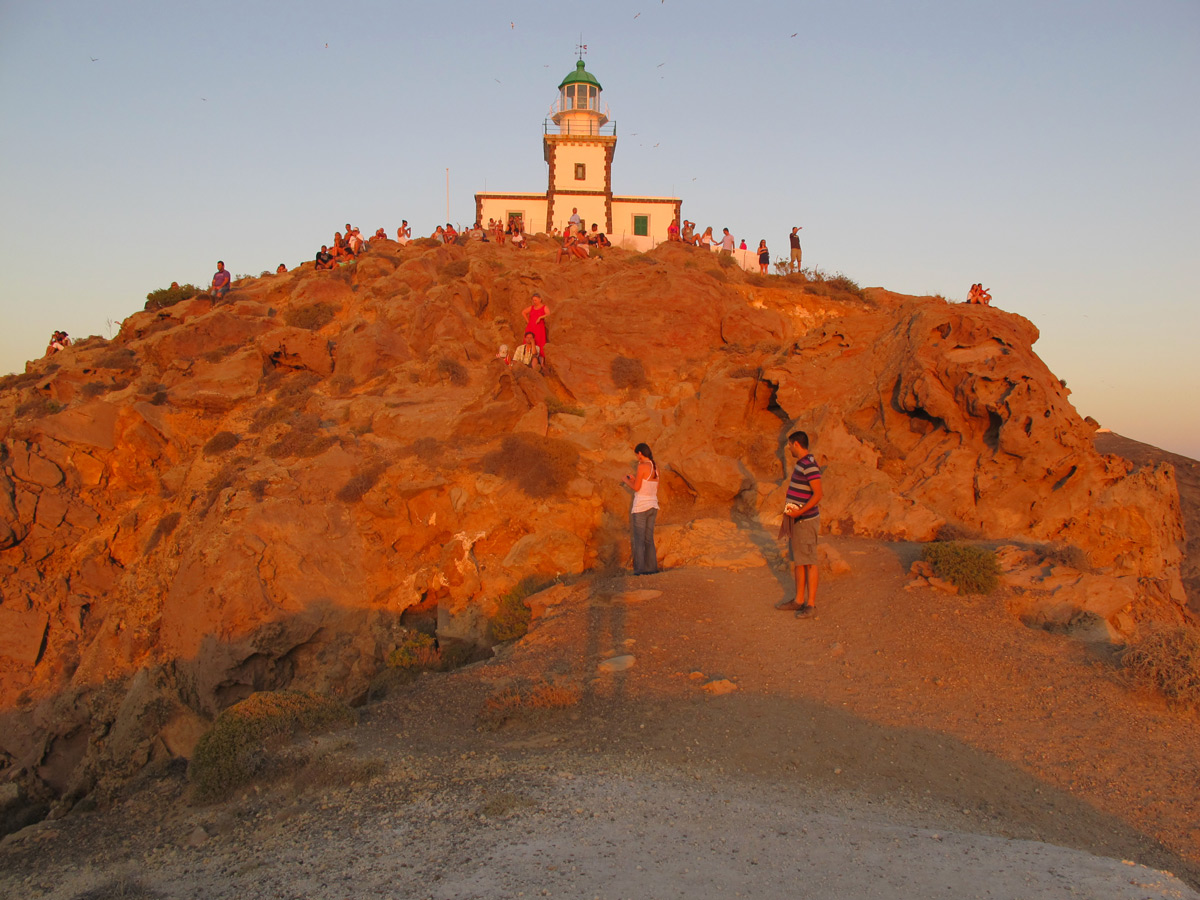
801	523
794	239
726	242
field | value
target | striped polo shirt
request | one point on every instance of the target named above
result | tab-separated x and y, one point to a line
805	472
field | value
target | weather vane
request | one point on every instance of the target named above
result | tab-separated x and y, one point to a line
581	47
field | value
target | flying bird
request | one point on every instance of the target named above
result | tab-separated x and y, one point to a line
497	80
94	58
795	34
657	144
637	15
512	25
660	65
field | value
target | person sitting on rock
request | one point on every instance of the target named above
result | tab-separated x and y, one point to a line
403	233
339	249
706	239
220	281
450	236
354	241
502	354
570	246
673	231
527	354
325	258
979	294
688	235
518	238
439	234
597	240
281	269
380	233
58	341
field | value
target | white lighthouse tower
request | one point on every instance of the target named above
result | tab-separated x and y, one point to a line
579	140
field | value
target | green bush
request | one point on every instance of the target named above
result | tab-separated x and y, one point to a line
169	296
416	650
233	751
1167	659
512	615
973	570
554	405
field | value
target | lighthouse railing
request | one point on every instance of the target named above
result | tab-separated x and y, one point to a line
580	126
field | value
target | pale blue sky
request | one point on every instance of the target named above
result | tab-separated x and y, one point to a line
1047	149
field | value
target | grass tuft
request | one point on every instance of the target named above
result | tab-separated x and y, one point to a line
511	621
416	650
453	371
973	570
516	701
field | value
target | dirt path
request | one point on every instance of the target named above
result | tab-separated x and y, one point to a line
903	744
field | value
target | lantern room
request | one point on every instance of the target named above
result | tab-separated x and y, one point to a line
579	109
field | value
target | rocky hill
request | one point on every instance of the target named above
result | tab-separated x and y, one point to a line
263	492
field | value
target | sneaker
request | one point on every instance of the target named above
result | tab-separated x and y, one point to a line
790	605
806	612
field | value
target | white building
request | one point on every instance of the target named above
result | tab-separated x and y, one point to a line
579	143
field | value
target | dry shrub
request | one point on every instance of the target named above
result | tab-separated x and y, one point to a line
1067	555
518	701
555	406
425	243
641	259
219	354
301	442
312	316
541	467
456	269
298	386
166	525
122	888
628	373
233	750
1167	659
266	416
37	407
358	485
9	382
973	570
428	448
453	371
117	359
94	389
726	261
221	442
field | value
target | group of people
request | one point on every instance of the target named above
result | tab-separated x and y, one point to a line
979	294
532	352
578	242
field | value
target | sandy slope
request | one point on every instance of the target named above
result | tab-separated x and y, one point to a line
904	744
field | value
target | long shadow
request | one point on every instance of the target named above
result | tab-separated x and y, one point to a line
803	745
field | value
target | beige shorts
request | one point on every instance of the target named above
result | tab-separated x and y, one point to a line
803	545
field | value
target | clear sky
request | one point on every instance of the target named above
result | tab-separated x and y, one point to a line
1048	149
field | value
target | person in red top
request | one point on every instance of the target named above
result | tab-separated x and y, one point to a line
535	321
801	521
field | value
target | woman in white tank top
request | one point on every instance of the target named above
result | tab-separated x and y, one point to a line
644	511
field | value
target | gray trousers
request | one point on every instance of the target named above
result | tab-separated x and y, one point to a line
641	529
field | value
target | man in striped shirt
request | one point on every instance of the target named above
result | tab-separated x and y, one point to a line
801	518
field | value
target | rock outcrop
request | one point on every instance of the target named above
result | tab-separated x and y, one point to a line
258	494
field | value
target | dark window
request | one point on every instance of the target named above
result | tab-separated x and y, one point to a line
580	171
641	225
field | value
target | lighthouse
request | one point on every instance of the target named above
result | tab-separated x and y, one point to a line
579	140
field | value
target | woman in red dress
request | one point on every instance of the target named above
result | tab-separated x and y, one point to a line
535	321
